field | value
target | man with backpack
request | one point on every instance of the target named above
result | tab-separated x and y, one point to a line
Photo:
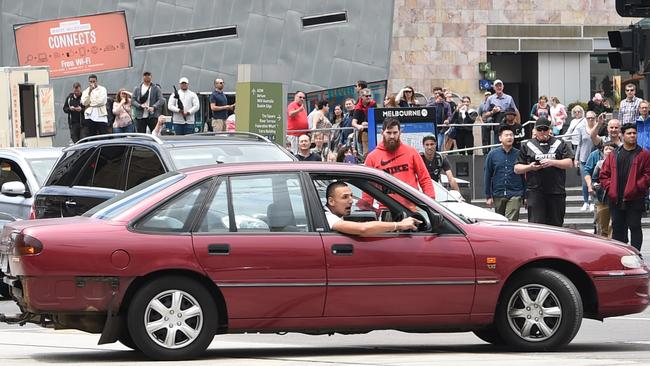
436	163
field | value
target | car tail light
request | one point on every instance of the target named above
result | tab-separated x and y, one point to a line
26	245
32	211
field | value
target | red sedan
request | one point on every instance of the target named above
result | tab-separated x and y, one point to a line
247	248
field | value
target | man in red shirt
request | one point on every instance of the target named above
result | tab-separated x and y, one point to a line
400	160
296	120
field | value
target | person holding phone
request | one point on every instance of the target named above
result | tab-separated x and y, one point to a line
544	160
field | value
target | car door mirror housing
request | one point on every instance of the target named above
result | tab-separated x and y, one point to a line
436	220
13	189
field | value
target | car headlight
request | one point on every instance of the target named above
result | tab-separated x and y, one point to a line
631	261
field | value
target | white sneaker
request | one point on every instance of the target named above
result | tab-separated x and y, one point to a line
592	207
584	207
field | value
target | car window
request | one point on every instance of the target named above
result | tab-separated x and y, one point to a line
125	200
106	170
40	168
144	164
176	215
184	157
260	203
69	166
11	172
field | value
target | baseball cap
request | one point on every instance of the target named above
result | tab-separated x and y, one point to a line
598	96
498	81
542	122
183	80
487	93
511	111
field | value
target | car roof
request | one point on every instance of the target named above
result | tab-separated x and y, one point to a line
208	138
289	166
33	152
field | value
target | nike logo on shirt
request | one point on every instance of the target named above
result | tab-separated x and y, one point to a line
382	162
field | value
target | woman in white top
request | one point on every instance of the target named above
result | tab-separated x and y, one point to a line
585	146
558	115
578	118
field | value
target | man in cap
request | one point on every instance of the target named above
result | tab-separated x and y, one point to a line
498	103
183	118
544	159
148	102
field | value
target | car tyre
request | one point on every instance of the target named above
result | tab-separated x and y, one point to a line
539	309
126	340
172	318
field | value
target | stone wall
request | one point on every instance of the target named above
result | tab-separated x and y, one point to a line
440	43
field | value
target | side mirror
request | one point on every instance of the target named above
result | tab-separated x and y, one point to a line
13	189
436	220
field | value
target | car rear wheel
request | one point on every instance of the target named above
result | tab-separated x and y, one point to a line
539	309
172	318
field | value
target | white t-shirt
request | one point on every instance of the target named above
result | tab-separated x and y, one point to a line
331	218
143	89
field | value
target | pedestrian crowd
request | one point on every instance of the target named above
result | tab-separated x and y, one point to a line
92	111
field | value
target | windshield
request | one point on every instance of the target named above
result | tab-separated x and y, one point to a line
41	167
133	196
190	156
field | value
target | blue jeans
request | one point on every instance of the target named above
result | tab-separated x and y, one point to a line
441	141
585	190
128	129
183	129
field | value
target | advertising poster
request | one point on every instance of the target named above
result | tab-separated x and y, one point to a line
47	118
415	124
74	46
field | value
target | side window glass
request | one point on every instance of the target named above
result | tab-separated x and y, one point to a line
143	165
69	165
272	203
10	172
106	170
176	215
216	219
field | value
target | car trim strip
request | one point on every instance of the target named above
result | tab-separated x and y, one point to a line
616	276
342	284
487	282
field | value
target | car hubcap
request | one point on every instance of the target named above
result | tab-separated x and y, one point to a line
534	313
173	319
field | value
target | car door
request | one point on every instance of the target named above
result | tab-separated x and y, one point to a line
390	274
257	244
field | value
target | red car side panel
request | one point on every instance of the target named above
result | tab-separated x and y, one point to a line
267	275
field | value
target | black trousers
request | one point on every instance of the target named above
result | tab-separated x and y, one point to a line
75	131
141	124
92	128
465	139
544	208
624	219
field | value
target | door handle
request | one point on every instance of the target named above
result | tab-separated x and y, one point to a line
219	249
342	249
70	203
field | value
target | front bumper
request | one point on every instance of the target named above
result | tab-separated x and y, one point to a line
622	293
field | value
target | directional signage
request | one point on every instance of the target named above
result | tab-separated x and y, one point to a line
260	109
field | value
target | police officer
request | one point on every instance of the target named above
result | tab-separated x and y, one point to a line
544	159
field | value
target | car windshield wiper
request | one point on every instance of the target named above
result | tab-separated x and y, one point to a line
471	220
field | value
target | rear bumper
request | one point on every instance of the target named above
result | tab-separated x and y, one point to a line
622	295
67	294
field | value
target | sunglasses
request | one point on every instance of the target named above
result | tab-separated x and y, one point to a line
629	90
367	96
543	129
591	117
408	91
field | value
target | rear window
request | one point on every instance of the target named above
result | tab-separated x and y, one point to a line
68	166
185	157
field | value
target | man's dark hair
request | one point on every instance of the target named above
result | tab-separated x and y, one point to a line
92	76
428	138
436	89
627	126
146	73
505	128
321	103
76	85
332	187
390	122
362	84
613	145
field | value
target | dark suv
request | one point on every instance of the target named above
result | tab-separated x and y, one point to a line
97	168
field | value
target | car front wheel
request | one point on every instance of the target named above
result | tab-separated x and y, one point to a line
539	309
172	318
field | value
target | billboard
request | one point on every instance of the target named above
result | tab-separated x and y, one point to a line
74	46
